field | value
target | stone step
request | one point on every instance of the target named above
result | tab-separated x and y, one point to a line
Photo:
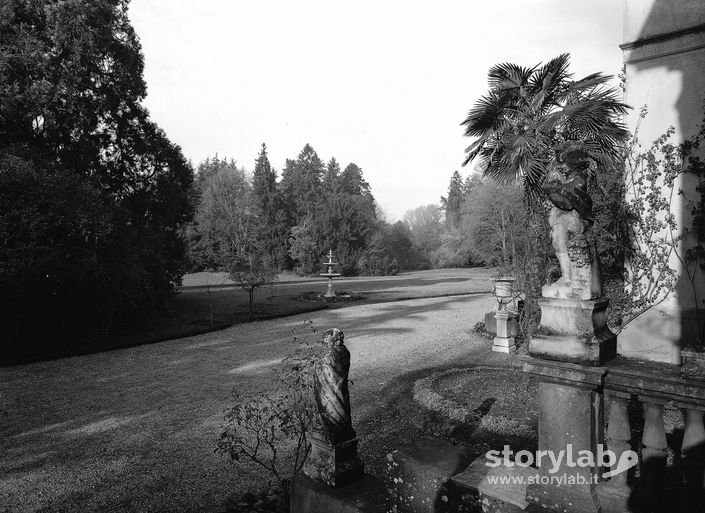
417	475
365	495
490	489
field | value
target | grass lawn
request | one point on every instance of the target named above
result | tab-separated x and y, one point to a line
209	301
135	429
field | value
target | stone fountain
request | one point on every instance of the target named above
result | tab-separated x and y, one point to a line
329	267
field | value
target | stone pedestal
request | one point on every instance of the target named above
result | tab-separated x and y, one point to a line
417	476
333	464
329	291
506	329
570	421
574	330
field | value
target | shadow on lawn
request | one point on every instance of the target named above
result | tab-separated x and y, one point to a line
406	279
186	316
198	310
392	313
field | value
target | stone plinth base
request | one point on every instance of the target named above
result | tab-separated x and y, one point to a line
504	345
574	330
506	325
417	475
334	465
366	495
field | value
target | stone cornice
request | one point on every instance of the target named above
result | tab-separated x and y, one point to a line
659	38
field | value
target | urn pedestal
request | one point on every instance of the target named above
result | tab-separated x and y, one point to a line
506	325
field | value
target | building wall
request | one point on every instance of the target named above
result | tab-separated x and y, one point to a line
664	58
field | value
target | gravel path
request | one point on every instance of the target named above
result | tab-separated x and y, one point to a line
135	429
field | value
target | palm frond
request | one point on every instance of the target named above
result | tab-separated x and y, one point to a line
508	76
536	171
484	115
549	80
555	70
472	150
590	81
519	143
594	119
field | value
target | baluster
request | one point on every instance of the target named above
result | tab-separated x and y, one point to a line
653	455
693	454
654	437
694	434
618	432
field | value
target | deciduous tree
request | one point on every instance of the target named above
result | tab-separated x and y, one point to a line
227	226
425	224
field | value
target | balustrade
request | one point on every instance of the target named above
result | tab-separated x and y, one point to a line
655	385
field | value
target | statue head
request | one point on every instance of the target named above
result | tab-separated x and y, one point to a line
333	337
572	155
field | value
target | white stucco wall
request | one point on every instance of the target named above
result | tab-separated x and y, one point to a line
664	55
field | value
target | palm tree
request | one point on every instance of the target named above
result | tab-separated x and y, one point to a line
528	111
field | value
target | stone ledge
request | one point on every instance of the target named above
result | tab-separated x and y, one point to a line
562	372
657	380
505	497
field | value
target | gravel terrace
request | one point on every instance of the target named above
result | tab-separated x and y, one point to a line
135	429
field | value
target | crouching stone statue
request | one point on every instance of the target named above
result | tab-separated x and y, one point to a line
571	223
573	323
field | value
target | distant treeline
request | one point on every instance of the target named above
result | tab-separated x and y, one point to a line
263	221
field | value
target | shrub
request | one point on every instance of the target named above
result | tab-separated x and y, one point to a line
271	430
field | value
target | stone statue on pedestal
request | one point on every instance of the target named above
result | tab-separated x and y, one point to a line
330	388
571	223
333	459
573	323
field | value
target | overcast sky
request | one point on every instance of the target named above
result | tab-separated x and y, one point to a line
384	84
